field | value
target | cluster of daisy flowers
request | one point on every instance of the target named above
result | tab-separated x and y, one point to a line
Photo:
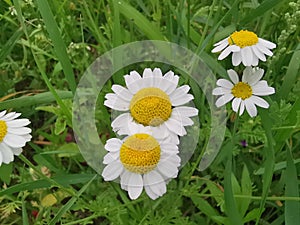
153	117
13	135
246	48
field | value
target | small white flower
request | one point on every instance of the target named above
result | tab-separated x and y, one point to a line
152	100
245	46
244	93
13	135
141	161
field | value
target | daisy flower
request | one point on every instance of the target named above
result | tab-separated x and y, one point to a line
142	161
245	46
244	93
13	135
152	100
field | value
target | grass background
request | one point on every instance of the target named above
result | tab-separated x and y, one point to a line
45	47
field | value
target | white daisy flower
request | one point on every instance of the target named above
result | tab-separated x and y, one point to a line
152	100
13	135
246	47
244	93
141	161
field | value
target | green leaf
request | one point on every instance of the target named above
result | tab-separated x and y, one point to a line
26	101
60	125
6	49
63	180
292	208
5	172
260	10
204	206
252	215
59	45
230	203
140	21
246	187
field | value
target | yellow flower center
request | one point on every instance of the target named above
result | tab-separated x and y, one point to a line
3	129
140	153
243	38
242	90
150	106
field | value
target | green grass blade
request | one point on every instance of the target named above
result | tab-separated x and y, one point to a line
230	203
292	208
59	45
42	98
6	49
140	21
71	202
24	213
291	75
270	159
260	10
62	180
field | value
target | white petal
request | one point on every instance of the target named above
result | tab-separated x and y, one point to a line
236	104
252	76
242	108
224	99
186	111
110	157
158	77
7	154
254	60
168	169
236	58
135	186
175	126
113	145
148	78
11	116
17	151
19	130
181	100
1	157
250	107
221	91
262	89
225	40
14	141
225	83
266	43
184	120
149	192
122	123
18	123
2	113
247	56
133	81
264	49
116	103
155	182
220	47
233	76
122	92
259	102
258	53
228	50
112	171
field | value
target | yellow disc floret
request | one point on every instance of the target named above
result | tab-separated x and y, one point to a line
140	153
242	90
3	129
150	106
243	38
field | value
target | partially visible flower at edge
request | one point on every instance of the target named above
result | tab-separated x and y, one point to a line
141	160
244	93
13	135
245	46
